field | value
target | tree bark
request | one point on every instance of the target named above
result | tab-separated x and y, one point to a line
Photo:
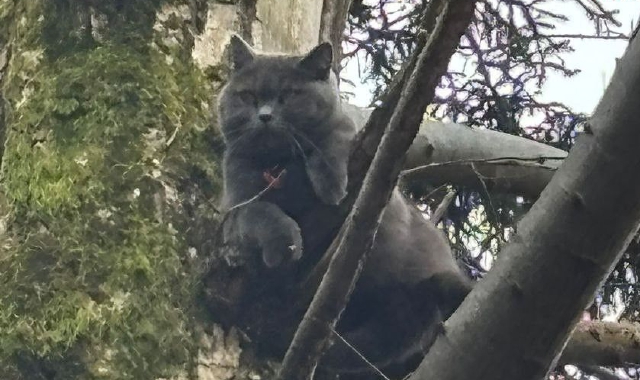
107	166
4	56
515	322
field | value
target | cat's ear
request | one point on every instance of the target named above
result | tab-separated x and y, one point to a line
318	61
241	52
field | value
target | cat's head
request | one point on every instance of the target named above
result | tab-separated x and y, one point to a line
276	102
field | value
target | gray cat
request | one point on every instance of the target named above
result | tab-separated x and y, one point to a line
288	142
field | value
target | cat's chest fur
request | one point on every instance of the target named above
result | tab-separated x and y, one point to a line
292	190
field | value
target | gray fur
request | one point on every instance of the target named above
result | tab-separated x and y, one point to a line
285	111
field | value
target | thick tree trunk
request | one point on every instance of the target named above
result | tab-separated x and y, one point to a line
107	166
109	180
515	322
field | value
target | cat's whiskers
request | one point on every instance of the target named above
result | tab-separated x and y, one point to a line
293	137
235	143
294	145
235	130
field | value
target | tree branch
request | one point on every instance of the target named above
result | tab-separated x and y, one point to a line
525	308
442	207
526	176
442	152
362	222
589	36
332	23
607	344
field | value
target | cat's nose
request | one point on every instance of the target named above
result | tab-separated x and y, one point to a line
265	113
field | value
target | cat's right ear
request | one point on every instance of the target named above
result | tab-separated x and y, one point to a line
241	52
318	61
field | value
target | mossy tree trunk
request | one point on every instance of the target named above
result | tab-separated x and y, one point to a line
109	167
109	180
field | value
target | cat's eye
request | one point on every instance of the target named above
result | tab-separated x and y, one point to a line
287	93
246	97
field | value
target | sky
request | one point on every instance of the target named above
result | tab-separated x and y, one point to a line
595	58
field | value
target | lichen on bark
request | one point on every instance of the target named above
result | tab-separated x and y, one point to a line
109	166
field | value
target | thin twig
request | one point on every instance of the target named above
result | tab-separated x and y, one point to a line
355	350
588	37
260	194
442	208
432	192
496	160
173	136
492	208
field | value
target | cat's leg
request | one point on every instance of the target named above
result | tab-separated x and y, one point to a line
264	227
382	328
327	165
253	224
446	289
328	177
394	327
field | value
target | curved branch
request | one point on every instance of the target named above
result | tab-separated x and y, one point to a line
443	153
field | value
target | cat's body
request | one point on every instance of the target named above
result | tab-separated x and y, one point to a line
282	112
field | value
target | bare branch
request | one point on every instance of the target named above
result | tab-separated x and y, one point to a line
589	37
599	12
442	152
605	344
332	24
442	207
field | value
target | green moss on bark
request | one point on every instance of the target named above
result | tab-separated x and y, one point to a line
107	144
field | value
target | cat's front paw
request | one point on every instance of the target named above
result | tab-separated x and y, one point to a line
264	229
331	192
281	245
329	179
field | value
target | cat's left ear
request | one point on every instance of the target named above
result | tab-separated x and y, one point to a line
241	52
318	61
